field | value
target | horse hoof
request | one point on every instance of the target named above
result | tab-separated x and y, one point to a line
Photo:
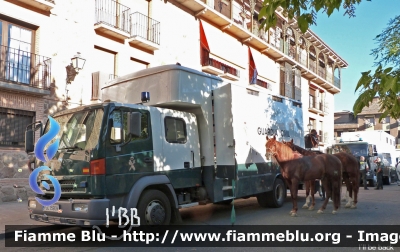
311	208
294	215
347	206
320	211
291	212
305	206
334	212
353	207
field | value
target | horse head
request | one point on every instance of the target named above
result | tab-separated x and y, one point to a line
281	151
270	145
290	144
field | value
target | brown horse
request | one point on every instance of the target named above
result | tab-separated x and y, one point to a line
351	172
309	186
295	168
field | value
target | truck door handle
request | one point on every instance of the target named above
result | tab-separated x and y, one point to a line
148	160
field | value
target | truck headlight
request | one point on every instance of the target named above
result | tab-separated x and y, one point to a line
32	204
80	207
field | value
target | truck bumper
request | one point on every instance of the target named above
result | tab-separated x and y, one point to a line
66	212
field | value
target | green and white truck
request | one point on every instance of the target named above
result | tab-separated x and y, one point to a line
166	138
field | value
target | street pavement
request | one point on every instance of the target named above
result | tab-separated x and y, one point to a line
375	207
15	213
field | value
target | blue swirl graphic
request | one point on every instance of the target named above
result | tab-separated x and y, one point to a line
39	153
45	139
33	184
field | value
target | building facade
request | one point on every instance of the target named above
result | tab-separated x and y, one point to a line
367	119
39	38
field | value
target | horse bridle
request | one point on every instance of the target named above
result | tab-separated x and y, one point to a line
274	153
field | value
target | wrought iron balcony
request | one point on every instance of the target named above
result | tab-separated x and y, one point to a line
144	32
216	67
336	82
30	71
112	18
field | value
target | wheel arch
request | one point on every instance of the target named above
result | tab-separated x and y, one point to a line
158	182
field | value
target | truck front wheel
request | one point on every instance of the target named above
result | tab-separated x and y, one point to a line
154	208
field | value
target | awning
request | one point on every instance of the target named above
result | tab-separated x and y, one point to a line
224	47
266	67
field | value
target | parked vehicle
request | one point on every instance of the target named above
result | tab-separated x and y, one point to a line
196	141
370	144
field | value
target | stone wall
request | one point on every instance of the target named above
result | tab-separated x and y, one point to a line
13	164
14	189
14	171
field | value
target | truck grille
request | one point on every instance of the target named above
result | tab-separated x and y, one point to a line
66	186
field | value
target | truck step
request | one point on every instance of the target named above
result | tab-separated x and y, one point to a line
228	198
188	205
226	188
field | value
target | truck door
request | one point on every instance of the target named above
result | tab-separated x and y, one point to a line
181	150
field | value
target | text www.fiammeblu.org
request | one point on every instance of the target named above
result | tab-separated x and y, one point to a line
232	236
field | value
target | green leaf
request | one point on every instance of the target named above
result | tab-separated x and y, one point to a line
262	12
303	24
364	80
387	70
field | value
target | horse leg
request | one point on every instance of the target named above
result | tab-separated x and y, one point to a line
326	186
336	186
294	187
312	185
349	193
355	190
289	183
307	185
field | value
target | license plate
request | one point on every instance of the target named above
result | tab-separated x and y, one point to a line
52	208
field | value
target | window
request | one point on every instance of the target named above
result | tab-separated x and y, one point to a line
369	122
175	130
16	46
137	65
119	127
13	124
104	61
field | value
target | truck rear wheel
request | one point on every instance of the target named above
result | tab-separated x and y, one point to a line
274	198
154	208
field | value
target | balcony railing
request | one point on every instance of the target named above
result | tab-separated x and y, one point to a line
207	61
313	66
145	27
321	72
25	68
111	13
336	82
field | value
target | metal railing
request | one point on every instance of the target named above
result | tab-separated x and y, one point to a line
145	27
112	13
336	82
321	72
313	66
26	68
207	61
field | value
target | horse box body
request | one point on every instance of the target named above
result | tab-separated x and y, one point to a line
202	141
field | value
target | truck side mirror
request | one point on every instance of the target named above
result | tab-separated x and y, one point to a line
29	139
30	135
134	123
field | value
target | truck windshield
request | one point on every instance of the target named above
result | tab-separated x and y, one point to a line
357	149
79	130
